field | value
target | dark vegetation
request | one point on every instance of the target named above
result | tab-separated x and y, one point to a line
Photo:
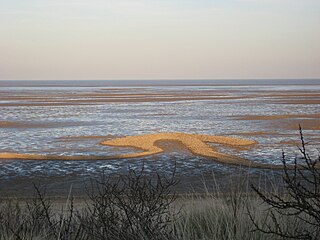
300	205
143	206
134	206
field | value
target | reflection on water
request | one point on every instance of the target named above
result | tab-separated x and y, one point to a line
50	115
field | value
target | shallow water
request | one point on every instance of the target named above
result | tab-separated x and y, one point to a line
48	118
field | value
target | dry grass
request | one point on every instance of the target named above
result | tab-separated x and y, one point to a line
136	206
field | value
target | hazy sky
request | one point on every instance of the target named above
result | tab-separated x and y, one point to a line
159	39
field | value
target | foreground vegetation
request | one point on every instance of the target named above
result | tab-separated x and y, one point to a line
139	212
140	206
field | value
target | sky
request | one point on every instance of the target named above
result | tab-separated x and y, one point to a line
159	39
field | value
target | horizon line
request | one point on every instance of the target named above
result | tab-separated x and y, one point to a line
169	79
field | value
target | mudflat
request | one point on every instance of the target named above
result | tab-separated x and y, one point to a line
63	134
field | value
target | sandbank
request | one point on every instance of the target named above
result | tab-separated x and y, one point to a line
195	143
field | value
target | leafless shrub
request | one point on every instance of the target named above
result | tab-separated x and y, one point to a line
36	219
299	207
134	206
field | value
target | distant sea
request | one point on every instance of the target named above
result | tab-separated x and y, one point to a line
101	83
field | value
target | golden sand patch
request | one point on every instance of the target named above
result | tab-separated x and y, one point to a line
196	143
23	156
5	124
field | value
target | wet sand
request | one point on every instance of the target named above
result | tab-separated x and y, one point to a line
306	124
12	124
80	138
274	117
20	124
289	121
262	133
196	143
114	96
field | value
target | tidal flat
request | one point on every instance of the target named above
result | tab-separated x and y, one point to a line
71	119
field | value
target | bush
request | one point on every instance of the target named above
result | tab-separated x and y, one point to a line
133	206
35	218
299	206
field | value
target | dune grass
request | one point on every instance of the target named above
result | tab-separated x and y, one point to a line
148	213
137	206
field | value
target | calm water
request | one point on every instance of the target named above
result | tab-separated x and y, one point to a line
51	115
